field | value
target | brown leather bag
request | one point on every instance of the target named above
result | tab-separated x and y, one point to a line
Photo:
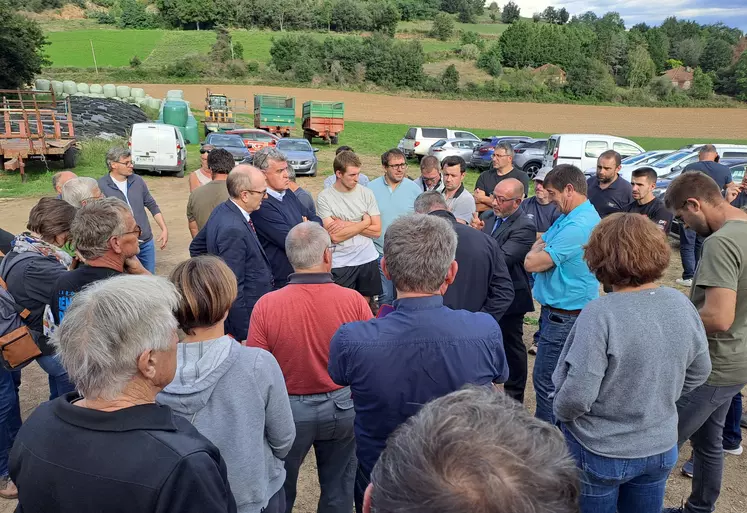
17	347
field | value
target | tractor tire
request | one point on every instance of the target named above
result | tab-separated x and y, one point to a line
70	158
334	139
308	137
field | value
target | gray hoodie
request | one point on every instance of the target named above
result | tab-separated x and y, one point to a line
235	396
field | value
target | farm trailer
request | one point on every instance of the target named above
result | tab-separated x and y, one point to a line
324	120
275	114
32	128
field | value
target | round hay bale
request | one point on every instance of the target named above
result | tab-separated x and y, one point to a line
137	92
175	94
110	91
69	87
154	103
123	91
56	87
83	88
96	95
96	89
42	84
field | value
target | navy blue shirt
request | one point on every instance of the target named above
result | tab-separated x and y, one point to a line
397	363
613	199
719	172
542	215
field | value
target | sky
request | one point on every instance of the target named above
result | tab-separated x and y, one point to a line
732	12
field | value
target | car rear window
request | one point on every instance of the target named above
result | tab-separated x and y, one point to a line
625	149
411	133
463	135
438	144
551	143
595	148
226	140
434	133
734	154
259	136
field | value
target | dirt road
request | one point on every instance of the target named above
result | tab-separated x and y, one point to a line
172	194
530	117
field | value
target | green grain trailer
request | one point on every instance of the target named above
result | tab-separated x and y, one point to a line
275	114
323	119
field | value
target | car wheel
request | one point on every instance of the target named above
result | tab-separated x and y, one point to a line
532	168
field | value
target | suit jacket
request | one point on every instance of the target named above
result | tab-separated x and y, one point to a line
482	283
515	236
273	220
228	235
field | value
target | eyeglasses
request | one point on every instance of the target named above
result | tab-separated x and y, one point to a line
137	230
431	180
255	192
495	155
501	199
127	163
397	166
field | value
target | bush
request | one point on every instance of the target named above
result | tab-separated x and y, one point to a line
450	78
252	67
702	86
443	27
135	62
189	66
469	52
491	60
133	15
472	38
661	87
236	68
102	17
591	78
521	84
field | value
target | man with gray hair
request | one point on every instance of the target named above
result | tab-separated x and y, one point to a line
230	235
502	168
322	410
122	183
59	180
474	450
105	236
278	213
80	191
420	351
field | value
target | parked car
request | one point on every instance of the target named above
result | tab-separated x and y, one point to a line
453	147
418	140
255	139
528	156
582	150
158	148
482	156
646	158
301	156
672	165
232	143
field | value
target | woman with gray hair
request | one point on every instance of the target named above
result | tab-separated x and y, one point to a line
121	451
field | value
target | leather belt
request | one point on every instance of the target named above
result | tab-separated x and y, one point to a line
563	312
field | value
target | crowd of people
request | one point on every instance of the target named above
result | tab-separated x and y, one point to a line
381	325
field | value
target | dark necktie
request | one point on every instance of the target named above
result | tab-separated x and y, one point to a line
251	225
498	222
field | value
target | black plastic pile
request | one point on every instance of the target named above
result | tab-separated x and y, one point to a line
103	117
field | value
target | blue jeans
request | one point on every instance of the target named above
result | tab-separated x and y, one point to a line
325	422
388	294
59	384
554	328
691	245
10	414
610	485
732	430
147	255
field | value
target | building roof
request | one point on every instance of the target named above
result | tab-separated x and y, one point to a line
680	74
550	68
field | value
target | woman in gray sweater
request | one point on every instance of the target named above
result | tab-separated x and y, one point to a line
628	358
234	395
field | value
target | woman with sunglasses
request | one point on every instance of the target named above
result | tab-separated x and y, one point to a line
203	175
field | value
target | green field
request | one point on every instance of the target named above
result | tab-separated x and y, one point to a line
487	28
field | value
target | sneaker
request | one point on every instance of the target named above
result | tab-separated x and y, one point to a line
8	489
533	349
687	468
743	422
735	452
684	283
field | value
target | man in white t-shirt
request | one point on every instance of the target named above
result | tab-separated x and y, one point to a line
351	216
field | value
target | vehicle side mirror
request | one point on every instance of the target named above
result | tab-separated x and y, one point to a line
315	149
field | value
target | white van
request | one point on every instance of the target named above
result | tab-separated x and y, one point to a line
417	141
582	150
158	148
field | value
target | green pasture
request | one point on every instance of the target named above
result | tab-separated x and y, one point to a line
485	27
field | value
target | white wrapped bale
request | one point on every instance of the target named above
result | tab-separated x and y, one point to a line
96	89
42	84
96	95
83	88
175	94
123	91
56	87
137	92
154	103
110	91
69	87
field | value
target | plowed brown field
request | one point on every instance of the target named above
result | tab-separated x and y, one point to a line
530	117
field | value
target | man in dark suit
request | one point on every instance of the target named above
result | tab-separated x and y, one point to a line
482	283
515	233
280	211
229	234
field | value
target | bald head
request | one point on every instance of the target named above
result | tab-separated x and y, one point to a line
246	186
510	188
507	197
61	178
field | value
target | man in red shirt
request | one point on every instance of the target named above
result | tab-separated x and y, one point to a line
322	411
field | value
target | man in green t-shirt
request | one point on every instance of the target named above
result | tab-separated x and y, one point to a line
719	292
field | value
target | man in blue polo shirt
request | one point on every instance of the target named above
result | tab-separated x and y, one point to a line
563	283
395	194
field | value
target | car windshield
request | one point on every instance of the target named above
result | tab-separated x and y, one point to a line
257	136
225	141
671	159
293	146
637	158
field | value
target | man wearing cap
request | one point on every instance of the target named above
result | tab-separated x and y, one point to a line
539	208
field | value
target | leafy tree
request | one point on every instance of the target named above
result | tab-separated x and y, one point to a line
689	51
587	18
494	6
716	54
702	85
640	27
224	49
511	13
493	16
550	15
518	45
472	38
384	16
350	15
469	52
443	27
490	60
288	50
591	78
536	17
187	12
135	62
611	42
658	47
21	49
133	15
740	77
450	78
563	16
721	31
641	68
673	63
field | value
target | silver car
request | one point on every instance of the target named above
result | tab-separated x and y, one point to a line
453	147
528	156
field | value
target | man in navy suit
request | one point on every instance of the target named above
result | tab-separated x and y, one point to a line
230	234
515	233
280	211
